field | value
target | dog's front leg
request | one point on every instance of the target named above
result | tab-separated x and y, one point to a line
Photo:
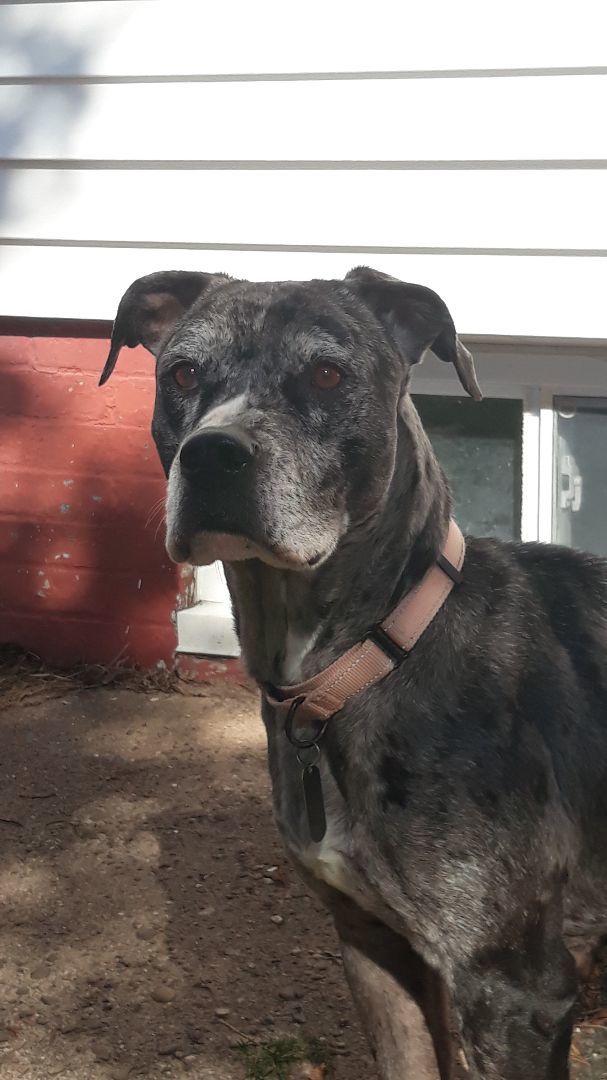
400	1000
515	1006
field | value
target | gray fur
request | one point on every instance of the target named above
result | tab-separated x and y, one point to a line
466	793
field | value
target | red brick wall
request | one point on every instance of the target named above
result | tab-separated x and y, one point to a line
83	571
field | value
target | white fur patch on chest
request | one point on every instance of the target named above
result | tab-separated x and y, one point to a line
326	861
333	861
297	647
330	861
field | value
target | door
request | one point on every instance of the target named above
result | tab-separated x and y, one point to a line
579	514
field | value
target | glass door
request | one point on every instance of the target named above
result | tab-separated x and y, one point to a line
579	514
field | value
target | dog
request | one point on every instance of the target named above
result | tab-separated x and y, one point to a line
452	812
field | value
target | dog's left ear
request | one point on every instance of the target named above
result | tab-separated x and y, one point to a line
418	320
151	307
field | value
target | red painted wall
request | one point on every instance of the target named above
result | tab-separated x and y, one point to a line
83	571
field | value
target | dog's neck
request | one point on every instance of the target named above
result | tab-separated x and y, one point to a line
293	624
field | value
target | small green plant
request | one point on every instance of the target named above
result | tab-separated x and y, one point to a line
272	1060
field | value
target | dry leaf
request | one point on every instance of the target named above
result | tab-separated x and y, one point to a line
306	1071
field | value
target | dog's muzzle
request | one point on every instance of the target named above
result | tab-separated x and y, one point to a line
215	512
211	496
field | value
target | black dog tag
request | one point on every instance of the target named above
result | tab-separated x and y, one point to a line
315	804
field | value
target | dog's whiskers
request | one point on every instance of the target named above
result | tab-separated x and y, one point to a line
157	510
158	527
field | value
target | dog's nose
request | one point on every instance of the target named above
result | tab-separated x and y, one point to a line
216	450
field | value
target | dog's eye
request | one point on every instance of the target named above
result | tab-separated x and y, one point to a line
326	377
184	375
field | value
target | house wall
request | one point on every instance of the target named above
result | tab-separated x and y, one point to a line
83	572
459	145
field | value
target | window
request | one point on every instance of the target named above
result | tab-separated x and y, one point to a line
479	445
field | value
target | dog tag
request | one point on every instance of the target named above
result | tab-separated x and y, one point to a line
315	804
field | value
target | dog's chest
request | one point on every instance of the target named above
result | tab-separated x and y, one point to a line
334	861
330	860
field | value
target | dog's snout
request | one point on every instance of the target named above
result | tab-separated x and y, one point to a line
217	450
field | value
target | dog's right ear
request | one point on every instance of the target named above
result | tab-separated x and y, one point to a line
417	319
151	307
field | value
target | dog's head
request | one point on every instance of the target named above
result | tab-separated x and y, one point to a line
277	403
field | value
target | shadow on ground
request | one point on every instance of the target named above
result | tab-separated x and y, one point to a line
148	919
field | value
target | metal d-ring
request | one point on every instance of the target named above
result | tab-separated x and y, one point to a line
302	744
308	756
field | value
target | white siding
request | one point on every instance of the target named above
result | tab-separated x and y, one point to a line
461	145
414	212
484	292
370	120
117	38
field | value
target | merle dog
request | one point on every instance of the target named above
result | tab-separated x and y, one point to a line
465	792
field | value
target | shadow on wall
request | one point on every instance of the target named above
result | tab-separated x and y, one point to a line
83	573
29	118
83	570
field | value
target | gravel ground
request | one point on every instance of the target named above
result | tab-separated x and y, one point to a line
148	919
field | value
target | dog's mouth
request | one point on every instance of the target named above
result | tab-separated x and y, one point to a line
206	547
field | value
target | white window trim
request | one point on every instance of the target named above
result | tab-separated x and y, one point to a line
546	464
208	626
530	485
537	373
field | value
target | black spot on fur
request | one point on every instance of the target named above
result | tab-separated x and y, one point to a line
297	393
395	779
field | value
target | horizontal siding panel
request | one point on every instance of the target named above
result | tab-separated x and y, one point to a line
444	119
550	296
374	209
172	37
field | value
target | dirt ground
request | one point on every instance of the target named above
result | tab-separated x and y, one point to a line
149	922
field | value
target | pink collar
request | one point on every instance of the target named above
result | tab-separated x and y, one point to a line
319	698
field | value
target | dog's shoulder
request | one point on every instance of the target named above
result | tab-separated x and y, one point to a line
531	637
539	578
554	561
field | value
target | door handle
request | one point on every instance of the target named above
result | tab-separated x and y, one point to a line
572	485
